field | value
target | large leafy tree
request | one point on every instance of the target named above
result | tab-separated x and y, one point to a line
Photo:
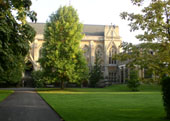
62	57
15	36
154	20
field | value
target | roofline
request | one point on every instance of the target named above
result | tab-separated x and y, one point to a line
83	24
100	25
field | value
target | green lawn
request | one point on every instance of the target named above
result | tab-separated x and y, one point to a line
115	103
4	94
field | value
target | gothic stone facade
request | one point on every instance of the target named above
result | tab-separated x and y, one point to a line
102	39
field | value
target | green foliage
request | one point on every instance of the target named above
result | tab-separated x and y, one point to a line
133	82
38	78
145	55
154	20
13	74
81	68
62	59
15	36
166	95
96	73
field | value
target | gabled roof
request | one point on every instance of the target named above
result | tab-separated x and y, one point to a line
88	30
39	27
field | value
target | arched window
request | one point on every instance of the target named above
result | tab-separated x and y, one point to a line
112	52
99	52
86	53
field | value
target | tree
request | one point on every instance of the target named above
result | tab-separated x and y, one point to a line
81	68
133	82
38	78
61	50
154	20
96	73
15	36
143	56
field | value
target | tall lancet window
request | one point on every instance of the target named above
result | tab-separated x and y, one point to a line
112	52
99	53
86	53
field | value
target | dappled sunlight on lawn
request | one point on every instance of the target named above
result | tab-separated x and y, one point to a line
87	104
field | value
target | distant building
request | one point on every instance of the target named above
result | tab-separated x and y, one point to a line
102	39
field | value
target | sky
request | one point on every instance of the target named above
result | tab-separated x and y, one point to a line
98	12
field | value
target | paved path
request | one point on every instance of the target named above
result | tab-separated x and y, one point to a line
25	105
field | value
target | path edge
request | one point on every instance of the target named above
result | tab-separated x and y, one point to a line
50	106
8	96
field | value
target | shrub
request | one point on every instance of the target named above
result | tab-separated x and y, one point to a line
166	94
133	82
38	78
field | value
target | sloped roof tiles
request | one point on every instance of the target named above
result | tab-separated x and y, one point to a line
88	30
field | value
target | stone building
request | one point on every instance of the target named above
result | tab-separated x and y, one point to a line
102	39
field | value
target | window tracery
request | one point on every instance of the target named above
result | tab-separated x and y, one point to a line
112	52
99	52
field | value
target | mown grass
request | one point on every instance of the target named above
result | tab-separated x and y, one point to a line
4	94
113	88
115	103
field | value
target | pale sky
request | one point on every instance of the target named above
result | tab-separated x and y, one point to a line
98	12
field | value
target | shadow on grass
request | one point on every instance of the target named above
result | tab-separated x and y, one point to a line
113	88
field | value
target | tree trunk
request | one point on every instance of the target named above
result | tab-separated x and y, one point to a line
62	85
